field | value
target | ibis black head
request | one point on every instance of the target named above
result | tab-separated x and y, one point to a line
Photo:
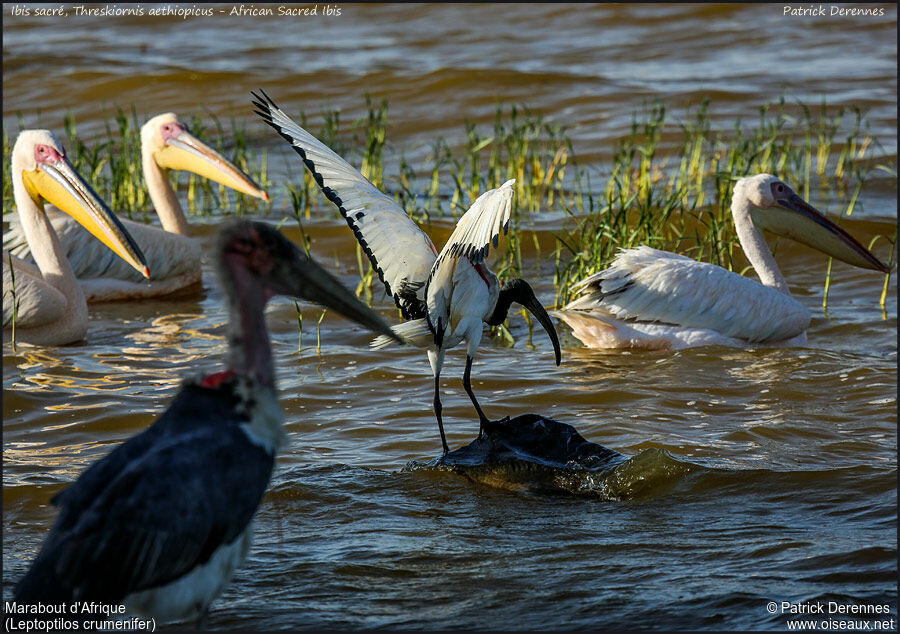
519	291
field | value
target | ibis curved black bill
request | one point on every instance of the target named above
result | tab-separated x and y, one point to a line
519	291
536	309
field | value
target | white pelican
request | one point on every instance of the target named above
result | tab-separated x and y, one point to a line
45	301
161	523
659	300
174	258
447	297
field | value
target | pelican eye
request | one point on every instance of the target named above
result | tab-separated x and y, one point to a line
170	130
780	189
47	153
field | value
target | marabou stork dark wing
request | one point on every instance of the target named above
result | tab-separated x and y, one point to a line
156	507
398	249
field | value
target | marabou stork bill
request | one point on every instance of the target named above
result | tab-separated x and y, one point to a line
173	256
446	297
655	299
161	523
43	304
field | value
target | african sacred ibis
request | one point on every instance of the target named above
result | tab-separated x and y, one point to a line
45	301
655	299
174	257
448	296
161	523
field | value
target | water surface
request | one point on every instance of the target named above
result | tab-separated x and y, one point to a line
753	475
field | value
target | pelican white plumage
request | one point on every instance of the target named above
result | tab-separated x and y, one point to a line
448	296
45	301
654	299
174	257
161	523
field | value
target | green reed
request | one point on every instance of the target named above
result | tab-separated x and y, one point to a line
675	194
7	173
521	145
668	185
113	167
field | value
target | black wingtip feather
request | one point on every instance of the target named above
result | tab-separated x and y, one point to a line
264	105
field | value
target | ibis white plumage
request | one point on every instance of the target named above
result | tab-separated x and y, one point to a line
161	523
174	257
44	302
448	296
654	299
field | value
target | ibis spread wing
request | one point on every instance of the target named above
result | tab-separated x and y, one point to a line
479	228
398	249
649	285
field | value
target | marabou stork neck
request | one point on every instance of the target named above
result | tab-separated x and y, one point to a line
174	258
161	523
448	296
655	299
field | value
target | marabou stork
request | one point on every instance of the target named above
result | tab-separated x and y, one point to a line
45	302
161	523
659	300
174	257
446	296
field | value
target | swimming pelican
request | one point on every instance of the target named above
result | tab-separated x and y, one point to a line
161	523
45	301
659	300
174	258
446	297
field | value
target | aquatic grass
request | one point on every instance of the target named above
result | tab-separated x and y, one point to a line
299	327
113	165
375	127
7	172
678	199
668	184
125	184
892	261
521	145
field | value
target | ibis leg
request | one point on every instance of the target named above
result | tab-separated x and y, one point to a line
467	383
437	410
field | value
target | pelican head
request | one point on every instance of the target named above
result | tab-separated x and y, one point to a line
47	175
172	146
775	207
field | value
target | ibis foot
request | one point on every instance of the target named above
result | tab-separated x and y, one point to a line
532	438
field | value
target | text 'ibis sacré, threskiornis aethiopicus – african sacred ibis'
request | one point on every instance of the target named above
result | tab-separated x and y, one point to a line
161	523
448	296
